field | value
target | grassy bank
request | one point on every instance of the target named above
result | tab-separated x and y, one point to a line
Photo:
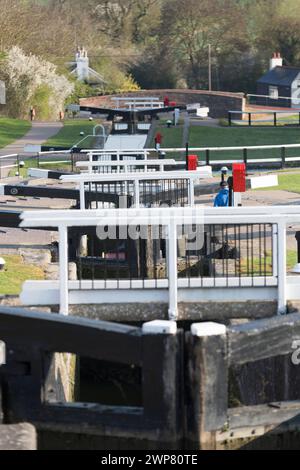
203	136
238	137
15	273
69	135
11	130
259	264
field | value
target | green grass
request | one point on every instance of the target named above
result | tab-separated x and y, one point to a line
69	135
259	264
239	137
172	137
15	273
286	182
11	130
33	163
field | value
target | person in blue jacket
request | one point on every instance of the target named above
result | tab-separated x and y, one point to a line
222	198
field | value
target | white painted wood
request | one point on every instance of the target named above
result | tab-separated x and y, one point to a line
82	195
142	176
172	270
32	148
2	353
275	249
218	288
37	173
63	271
136	193
202	112
160	327
237	199
282	299
41	294
128	163
264	181
208	329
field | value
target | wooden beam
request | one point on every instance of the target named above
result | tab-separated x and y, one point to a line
263	339
207	393
55	333
271	414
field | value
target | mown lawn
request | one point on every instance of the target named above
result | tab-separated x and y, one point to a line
259	264
238	137
44	165
170	137
11	130
69	135
15	273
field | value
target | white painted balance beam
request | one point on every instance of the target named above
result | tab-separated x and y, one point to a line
125	164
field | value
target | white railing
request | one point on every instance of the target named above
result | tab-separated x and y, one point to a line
172	289
127	166
268	97
205	153
108	154
10	161
137	179
138	102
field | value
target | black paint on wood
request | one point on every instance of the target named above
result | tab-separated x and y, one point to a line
207	387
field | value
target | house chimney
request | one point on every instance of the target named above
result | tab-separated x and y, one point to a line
82	64
276	60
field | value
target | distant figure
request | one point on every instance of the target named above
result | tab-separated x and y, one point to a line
158	140
32	113
61	115
166	102
222	198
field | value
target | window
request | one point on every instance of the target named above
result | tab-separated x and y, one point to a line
273	92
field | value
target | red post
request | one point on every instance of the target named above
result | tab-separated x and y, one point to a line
192	162
239	177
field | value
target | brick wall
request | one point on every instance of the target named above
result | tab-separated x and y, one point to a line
218	102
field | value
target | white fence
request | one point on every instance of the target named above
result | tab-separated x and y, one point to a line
7	162
137	179
205	153
127	166
171	289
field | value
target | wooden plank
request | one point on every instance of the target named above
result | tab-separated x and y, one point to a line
55	333
2	362
207	387
263	339
272	414
162	384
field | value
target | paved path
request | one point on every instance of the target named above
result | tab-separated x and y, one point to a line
38	134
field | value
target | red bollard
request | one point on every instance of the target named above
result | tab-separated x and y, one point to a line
192	162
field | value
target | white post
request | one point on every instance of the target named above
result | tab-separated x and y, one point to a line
282	303
275	249
82	196
191	193
2	353
237	199
137	193
63	271
172	270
